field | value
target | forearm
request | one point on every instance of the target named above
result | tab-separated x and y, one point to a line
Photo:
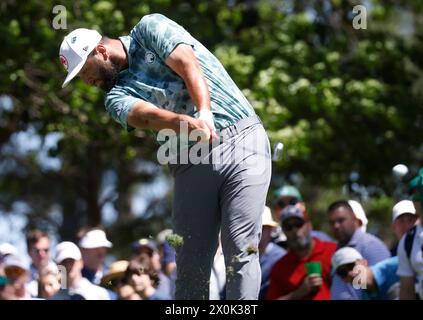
293	295
144	115
407	288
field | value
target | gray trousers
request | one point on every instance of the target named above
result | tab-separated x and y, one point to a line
228	196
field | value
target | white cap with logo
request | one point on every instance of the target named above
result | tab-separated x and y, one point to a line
402	207
343	256
67	250
95	239
74	50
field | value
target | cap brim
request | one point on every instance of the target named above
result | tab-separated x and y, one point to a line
106	244
109	277
72	74
63	257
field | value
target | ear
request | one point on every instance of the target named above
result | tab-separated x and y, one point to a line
102	50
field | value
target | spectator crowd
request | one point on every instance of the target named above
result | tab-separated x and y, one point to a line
297	261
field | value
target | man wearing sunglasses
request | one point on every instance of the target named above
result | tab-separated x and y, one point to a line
285	196
38	245
288	278
377	282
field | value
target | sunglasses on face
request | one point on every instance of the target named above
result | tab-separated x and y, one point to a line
12	272
345	269
294	224
281	203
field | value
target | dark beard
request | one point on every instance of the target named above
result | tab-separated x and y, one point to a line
299	244
109	75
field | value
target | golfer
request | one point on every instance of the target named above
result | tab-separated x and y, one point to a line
159	77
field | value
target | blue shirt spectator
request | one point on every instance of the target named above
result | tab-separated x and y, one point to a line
373	250
387	280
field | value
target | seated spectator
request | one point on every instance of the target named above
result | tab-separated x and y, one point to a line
288	278
404	218
17	273
144	280
346	230
377	282
359	214
69	255
94	245
269	252
284	196
146	251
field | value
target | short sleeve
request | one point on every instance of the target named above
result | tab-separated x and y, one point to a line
374	251
404	265
118	105
160	34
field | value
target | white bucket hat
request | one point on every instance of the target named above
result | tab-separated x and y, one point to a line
95	239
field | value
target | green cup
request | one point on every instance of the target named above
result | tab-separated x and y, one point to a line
314	267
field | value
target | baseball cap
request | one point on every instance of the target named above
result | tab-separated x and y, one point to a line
293	212
359	213
402	207
74	50
287	191
95	239
6	249
144	242
67	250
343	256
14	261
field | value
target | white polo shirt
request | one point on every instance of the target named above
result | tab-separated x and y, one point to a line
413	266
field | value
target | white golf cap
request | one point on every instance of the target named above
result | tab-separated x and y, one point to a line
74	50
359	213
94	239
343	256
404	206
7	248
67	250
267	219
15	261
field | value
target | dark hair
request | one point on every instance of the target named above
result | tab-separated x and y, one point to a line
340	204
33	236
137	267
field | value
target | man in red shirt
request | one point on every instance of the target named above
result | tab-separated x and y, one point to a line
288	279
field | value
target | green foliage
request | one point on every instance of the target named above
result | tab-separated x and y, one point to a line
340	99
